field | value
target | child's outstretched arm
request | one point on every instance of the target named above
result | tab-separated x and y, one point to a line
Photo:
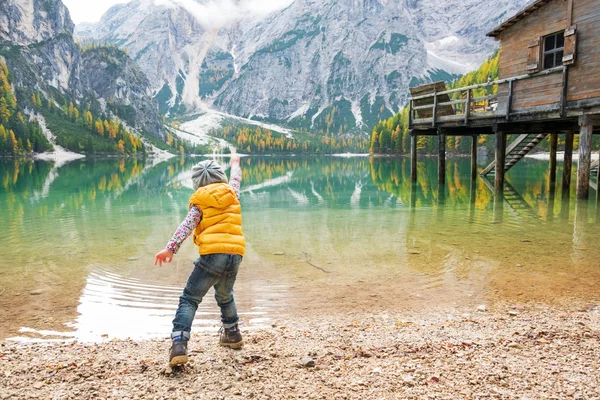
181	234
235	178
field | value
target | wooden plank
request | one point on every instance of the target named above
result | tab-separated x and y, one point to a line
484	98
569	12
422	121
449	103
515	53
434	116
537	127
450	118
533	55
540	81
584	81
468	106
519	140
518	18
425	107
429	94
585	155
570	49
483	115
564	92
509	103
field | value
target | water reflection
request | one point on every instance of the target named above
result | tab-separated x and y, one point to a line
80	240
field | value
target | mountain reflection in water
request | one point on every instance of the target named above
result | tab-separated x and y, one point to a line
324	234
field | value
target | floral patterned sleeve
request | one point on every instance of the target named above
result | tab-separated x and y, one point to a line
185	229
235	180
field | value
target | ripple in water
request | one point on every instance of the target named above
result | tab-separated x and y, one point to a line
116	306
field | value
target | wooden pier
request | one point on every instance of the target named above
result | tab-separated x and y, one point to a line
549	84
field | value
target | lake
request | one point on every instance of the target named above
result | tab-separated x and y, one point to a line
324	234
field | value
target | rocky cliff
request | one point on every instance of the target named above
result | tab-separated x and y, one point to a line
330	65
36	40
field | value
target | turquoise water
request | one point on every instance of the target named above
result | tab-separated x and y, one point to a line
323	234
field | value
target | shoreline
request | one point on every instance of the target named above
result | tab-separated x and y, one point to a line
510	350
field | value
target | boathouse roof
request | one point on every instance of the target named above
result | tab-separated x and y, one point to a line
518	17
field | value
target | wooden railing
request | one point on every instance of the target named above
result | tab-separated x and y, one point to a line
465	107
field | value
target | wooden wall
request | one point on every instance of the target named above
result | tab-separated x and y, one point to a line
584	76
514	41
538	91
514	47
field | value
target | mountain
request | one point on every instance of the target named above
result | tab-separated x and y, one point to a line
37	44
335	66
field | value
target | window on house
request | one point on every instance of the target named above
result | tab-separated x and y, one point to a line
553	50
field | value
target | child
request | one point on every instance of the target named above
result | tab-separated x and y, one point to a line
215	219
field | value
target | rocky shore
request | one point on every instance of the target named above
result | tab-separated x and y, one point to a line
528	352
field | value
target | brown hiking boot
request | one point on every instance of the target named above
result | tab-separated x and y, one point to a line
179	350
231	337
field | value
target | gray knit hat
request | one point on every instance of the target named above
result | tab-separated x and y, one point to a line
206	173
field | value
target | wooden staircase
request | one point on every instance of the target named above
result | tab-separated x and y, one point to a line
511	197
520	147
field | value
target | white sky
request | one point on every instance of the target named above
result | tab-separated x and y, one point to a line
92	10
89	10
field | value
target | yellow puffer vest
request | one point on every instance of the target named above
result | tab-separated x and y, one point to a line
220	230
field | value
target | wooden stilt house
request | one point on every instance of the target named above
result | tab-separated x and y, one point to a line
549	83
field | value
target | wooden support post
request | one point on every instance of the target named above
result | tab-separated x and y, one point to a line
435	106
564	91
413	158
441	157
474	157
510	100
566	180
553	145
500	158
585	156
468	106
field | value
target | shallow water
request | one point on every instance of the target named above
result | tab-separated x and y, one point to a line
323	234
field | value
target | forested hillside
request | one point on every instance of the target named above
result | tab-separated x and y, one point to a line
18	135
391	136
257	140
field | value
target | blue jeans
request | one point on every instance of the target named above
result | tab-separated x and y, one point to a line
212	270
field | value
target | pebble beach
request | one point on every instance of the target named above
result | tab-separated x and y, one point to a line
526	352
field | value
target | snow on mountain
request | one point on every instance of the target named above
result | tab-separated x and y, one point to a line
334	66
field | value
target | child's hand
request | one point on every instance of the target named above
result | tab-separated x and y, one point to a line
165	256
